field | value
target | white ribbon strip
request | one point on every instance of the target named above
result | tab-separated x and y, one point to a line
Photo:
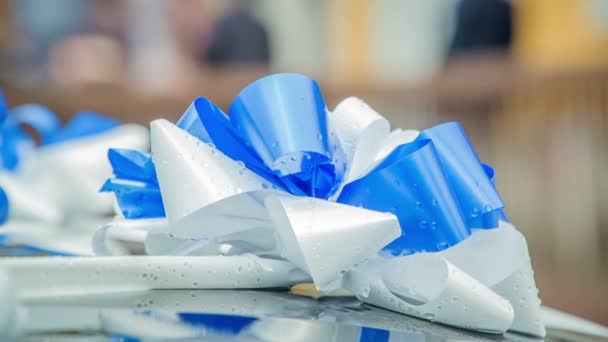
55	276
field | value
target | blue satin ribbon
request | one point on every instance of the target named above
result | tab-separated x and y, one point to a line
278	127
135	185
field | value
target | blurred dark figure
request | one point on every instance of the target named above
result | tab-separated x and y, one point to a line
238	38
482	25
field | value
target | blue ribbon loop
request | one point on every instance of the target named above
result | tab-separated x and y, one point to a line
136	185
411	184
478	199
206	121
14	140
437	188
283	118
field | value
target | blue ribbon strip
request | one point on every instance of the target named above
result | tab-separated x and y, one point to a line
278	127
135	185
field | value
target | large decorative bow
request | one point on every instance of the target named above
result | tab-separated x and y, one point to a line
336	193
279	128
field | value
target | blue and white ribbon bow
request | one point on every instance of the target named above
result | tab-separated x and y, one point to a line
60	175
338	194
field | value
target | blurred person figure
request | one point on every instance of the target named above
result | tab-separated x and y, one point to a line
68	42
94	52
238	38
36	26
482	25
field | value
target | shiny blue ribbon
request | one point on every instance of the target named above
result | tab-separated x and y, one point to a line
278	127
135	184
437	188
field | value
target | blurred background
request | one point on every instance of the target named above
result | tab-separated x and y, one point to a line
527	79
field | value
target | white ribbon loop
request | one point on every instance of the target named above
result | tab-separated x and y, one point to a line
427	286
205	193
499	259
361	131
327	239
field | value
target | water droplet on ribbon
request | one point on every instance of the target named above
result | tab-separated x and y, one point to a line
442	245
423	225
475	212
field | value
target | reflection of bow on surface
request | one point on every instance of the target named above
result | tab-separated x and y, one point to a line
335	193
